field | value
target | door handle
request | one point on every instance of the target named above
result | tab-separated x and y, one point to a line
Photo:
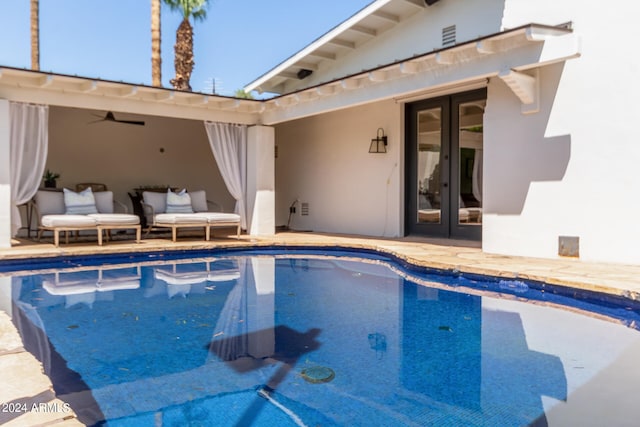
445	185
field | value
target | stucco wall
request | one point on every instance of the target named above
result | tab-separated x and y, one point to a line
572	168
324	161
420	34
126	156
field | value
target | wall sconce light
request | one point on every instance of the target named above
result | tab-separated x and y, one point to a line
379	143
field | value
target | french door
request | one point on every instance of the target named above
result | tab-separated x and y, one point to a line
444	141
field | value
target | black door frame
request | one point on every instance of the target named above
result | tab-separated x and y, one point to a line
449	226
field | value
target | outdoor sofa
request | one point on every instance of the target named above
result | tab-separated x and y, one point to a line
80	211
184	209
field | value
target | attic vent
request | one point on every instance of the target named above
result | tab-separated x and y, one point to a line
449	36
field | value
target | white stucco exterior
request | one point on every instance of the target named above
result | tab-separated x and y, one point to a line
559	147
324	161
579	153
561	171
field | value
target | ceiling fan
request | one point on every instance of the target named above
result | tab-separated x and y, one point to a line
109	117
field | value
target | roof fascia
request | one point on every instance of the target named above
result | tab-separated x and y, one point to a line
319	42
534	32
72	91
537	45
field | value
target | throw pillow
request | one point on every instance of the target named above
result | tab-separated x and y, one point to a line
81	203
178	202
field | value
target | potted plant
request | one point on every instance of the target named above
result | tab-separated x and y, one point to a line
50	179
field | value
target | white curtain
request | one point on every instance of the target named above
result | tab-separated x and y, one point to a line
233	343
29	137
477	176
229	145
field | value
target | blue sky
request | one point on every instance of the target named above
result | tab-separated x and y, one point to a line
239	41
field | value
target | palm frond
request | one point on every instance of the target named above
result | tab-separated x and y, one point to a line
196	9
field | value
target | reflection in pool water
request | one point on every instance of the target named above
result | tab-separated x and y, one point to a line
224	341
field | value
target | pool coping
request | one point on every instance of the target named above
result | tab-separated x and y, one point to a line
500	266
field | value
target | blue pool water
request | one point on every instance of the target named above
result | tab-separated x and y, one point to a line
318	338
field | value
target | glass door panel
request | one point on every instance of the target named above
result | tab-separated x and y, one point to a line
444	146
429	149
470	144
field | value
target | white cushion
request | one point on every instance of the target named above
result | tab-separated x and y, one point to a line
104	201
178	202
178	218
54	289
181	278
158	201
199	201
79	203
68	221
115	285
219	217
115	219
50	202
223	276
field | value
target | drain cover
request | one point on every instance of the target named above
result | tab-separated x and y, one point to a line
318	374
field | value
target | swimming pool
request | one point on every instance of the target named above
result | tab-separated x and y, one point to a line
321	337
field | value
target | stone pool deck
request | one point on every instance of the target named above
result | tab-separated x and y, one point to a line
24	384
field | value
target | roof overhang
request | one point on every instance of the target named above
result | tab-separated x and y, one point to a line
79	92
512	55
370	22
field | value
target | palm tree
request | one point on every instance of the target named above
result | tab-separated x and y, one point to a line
35	35
156	58
183	60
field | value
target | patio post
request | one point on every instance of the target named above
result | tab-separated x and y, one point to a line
260	181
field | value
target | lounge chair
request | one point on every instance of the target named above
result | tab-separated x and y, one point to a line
55	215
185	210
181	278
83	286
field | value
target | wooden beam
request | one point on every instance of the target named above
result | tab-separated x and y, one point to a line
364	30
409	67
128	91
89	86
45	81
350	83
323	55
378	76
387	16
444	58
343	43
526	87
485	47
168	95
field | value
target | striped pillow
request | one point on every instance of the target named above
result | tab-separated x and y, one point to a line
178	202
79	203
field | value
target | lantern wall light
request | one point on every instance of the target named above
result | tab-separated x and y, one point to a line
379	143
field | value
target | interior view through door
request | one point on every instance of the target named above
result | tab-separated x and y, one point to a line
444	166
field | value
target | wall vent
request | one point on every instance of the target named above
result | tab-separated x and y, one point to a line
449	36
304	208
